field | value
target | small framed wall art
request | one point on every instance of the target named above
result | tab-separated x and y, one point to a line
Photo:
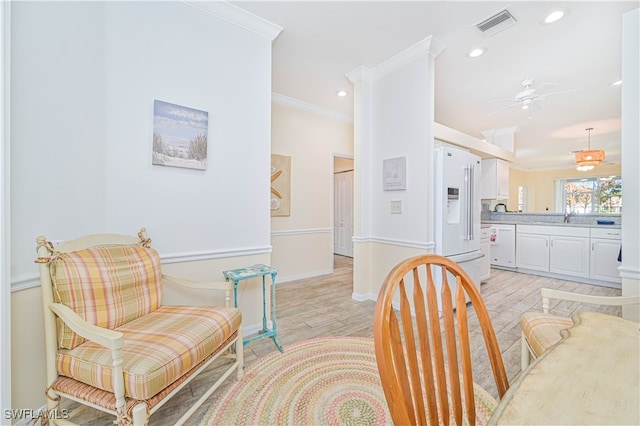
280	185
179	136
394	174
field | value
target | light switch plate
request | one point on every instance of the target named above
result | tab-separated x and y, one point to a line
396	206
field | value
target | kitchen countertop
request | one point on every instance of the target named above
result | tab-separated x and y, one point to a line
575	225
551	219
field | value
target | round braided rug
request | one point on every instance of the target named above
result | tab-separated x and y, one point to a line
323	381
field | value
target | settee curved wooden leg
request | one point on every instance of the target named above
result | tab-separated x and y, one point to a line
240	354
140	415
525	355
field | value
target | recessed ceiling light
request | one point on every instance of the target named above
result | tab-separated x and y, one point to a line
616	83
555	16
479	51
341	93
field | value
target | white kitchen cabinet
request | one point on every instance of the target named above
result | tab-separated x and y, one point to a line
605	247
560	250
532	251
569	256
494	181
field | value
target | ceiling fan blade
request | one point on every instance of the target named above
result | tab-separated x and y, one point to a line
504	108
561	92
544	87
501	100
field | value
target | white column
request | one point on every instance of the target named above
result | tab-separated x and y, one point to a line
393	118
361	79
630	268
5	263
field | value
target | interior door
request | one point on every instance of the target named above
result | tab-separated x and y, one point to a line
343	213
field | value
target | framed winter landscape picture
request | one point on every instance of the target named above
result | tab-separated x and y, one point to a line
179	136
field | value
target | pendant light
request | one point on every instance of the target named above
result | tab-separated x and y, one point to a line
587	160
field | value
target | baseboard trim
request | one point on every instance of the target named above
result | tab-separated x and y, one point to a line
288	278
363	297
253	329
568	278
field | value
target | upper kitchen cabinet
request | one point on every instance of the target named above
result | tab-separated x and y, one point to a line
494	180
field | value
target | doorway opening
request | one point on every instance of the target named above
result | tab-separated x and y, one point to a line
343	205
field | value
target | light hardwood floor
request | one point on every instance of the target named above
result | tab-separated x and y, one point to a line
323	306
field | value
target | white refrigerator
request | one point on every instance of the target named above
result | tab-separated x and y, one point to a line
457	209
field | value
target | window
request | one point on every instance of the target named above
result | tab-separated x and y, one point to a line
522	198
592	195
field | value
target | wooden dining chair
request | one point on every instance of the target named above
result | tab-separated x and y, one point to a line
422	341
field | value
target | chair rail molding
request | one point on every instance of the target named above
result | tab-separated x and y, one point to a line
428	245
27	281
632	274
301	231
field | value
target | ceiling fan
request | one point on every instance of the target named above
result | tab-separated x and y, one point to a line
528	99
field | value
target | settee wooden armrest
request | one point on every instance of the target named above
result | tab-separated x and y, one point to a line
110	339
548	293
201	285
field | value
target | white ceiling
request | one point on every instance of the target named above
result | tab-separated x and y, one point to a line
323	41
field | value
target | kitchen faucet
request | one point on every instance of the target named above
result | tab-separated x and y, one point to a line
566	216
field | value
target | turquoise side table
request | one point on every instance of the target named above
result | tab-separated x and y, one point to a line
237	275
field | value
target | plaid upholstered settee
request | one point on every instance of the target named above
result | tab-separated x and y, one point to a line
111	343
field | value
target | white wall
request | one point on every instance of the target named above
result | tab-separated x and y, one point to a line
85	75
179	56
303	242
394	117
400	105
58	142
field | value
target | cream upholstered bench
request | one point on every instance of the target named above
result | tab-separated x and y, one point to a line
111	343
541	330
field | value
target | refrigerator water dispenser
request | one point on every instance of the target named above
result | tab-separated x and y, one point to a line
453	205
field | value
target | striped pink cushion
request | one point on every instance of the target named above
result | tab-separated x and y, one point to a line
543	330
107	286
158	349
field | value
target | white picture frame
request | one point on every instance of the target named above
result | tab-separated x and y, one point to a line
179	136
394	174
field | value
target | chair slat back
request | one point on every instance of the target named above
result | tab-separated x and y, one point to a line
422	343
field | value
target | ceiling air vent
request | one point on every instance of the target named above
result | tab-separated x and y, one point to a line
496	23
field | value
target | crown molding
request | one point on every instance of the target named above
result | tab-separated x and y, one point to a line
239	17
309	107
430	46
361	73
